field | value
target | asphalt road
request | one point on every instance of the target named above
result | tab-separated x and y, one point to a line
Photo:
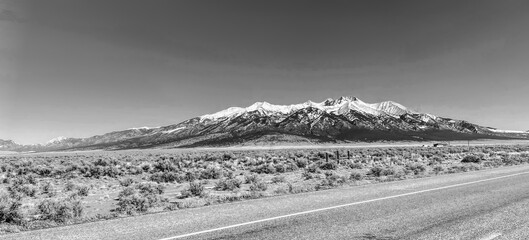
491	204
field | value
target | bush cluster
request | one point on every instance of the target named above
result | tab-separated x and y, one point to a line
471	159
195	189
228	184
60	210
10	209
139	198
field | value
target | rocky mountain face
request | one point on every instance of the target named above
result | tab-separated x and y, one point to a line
333	120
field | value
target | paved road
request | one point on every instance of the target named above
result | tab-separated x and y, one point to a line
491	204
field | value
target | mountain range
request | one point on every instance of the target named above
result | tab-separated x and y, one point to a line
341	120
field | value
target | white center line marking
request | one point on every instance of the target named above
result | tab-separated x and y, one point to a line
340	206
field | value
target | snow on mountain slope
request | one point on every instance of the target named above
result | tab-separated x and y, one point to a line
230	112
391	108
56	140
142	128
505	131
173	130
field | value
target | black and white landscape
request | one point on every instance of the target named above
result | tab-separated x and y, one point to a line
264	119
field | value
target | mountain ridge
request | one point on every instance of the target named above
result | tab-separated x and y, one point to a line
344	119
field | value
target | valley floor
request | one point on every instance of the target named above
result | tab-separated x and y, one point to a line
378	144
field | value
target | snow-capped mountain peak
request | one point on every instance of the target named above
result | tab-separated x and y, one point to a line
56	140
264	106
339	101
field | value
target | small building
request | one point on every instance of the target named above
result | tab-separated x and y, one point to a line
440	144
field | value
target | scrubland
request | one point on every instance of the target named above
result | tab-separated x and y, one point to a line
46	190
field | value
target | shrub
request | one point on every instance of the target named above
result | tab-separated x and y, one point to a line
126	192
60	210
145	167
508	160
150	188
195	189
353	165
438	169
300	188
70	186
278	179
112	171
10	210
132	203
191	176
212	172
21	190
265	169
258	186
280	168
323	155
227	156
332	179
313	168
162	165
83	190
464	167
139	199
228	184
49	189
302	162
171	207
102	162
415	168
471	159
357	175
281	190
31	179
160	177
251	178
126	182
436	159
376	171
330	165
80	190
307	175
395	171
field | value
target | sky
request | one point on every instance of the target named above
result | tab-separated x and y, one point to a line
81	68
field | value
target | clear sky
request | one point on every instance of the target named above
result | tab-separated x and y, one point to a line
80	68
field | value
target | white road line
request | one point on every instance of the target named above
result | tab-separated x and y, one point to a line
491	236
340	206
